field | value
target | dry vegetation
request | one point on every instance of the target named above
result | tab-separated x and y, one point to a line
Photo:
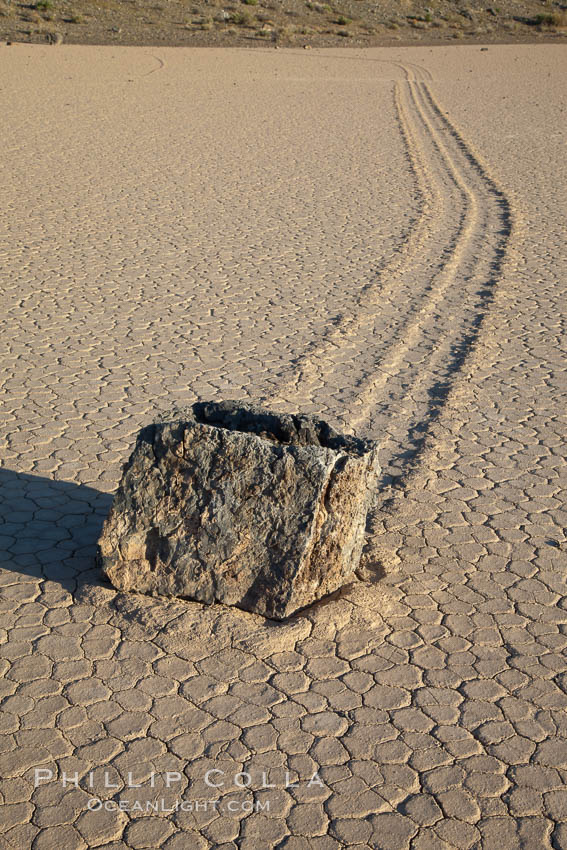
280	22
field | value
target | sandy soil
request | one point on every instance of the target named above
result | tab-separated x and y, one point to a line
374	235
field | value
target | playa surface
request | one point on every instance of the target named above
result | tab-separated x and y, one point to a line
372	235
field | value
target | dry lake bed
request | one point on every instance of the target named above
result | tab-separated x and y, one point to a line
374	236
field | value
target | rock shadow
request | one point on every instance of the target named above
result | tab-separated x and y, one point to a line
49	529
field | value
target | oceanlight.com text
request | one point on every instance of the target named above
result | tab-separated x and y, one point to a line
230	806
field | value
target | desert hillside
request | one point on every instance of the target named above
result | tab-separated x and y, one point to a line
280	22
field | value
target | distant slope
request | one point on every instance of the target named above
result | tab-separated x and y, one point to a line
280	22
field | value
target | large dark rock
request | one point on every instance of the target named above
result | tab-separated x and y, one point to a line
231	503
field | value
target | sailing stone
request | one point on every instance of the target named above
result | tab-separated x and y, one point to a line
228	502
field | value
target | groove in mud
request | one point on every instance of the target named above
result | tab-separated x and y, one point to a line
500	223
460	236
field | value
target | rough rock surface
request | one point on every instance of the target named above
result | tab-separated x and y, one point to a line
226	502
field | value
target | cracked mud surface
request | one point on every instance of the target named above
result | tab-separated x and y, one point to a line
373	236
